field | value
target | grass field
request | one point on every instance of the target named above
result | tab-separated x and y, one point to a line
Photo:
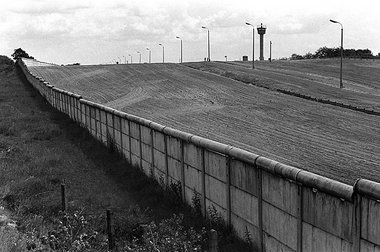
335	142
41	148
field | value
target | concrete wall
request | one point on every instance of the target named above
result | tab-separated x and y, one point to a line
283	208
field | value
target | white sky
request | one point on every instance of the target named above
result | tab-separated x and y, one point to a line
96	31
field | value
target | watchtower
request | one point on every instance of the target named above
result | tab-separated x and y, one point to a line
261	31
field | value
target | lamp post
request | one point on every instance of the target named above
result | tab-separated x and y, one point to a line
181	48
253	44
131	57
341	52
163	53
225	57
270	51
208	42
125	60
150	53
140	56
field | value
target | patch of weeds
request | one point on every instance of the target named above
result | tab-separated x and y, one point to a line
248	237
169	235
196	203
12	240
176	189
161	181
226	234
215	218
76	233
129	225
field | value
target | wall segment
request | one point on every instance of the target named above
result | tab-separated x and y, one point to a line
281	207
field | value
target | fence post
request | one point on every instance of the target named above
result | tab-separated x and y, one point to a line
69	101
300	218
82	122
100	126
67	105
203	202
89	119
357	219
130	144
111	241
53	98
96	122
228	189
63	197
213	243
166	160
113	130
152	143
260	207
75	102
121	138
183	187
140	146
60	100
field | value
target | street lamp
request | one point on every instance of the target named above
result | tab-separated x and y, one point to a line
253	44
125	60
225	57
181	48
341	52
163	53
131	58
270	51
140	56
208	42
150	54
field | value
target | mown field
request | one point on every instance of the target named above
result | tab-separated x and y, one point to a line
318	78
328	140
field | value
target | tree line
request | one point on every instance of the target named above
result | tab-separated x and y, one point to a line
325	52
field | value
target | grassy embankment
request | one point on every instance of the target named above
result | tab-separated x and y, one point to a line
41	148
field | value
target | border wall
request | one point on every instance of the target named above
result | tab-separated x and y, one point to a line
283	208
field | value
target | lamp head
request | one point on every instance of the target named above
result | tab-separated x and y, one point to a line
333	21
247	23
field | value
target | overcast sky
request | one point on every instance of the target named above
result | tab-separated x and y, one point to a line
97	31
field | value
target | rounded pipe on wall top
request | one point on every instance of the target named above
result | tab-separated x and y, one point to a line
367	187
